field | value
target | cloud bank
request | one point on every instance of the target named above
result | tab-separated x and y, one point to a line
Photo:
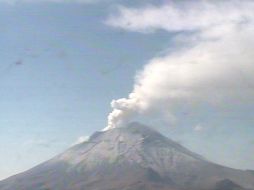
216	67
187	16
48	1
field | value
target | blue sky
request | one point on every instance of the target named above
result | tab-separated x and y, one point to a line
72	67
61	65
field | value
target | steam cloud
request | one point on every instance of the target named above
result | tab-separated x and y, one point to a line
215	67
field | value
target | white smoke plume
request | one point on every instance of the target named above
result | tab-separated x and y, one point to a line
216	67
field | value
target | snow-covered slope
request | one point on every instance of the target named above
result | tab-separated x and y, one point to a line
131	158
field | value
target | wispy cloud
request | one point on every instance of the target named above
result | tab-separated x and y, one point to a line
49	1
198	128
81	139
38	142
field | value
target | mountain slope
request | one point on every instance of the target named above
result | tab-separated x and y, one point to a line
131	158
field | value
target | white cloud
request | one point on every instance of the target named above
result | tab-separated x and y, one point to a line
193	15
13	2
81	140
217	69
198	128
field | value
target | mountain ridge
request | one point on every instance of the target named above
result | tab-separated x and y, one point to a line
132	158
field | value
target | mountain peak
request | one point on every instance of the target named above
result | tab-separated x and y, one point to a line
132	157
133	144
130	132
132	127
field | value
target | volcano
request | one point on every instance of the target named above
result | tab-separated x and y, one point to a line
135	157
